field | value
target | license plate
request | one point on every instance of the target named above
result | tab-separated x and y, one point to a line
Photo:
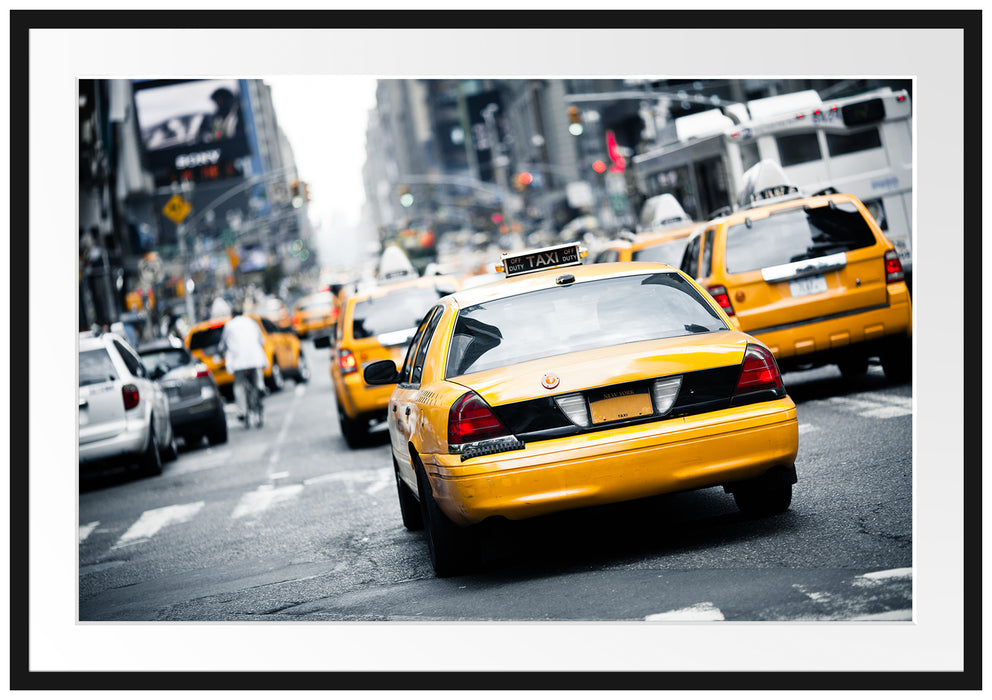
808	285
621	404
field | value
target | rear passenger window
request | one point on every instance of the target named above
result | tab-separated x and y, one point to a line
134	365
796	234
690	260
96	367
418	364
705	269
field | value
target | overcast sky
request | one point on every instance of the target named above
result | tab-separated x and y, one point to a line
325	119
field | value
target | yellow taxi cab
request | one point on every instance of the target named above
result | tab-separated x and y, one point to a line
314	313
375	325
568	386
656	246
283	349
814	278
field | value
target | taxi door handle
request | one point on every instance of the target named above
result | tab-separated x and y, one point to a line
407	410
394	408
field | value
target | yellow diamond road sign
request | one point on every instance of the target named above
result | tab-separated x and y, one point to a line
176	208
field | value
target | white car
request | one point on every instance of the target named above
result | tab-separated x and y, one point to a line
123	414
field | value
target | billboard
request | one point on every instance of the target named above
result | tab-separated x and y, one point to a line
188	124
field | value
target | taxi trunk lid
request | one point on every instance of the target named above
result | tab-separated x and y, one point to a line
604	367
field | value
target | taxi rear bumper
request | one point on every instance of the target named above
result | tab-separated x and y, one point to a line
617	465
842	334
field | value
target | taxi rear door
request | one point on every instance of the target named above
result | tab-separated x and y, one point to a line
404	414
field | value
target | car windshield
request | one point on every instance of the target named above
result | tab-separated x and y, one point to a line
96	367
796	234
170	357
206	340
394	311
582	316
669	252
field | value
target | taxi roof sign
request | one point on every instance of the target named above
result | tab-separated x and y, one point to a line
523	262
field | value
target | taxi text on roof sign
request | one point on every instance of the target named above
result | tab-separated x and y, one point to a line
513	264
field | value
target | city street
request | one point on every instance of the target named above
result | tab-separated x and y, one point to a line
287	523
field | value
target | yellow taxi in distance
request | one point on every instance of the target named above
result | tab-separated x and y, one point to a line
282	348
814	278
314	313
567	386
375	325
661	246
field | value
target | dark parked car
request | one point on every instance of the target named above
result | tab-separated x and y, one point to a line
195	403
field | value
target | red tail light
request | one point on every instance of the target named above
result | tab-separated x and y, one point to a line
202	370
471	419
131	397
347	362
719	292
759	372
893	267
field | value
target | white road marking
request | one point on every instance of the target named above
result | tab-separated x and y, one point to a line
264	497
85	530
300	390
200	462
807	428
887	575
151	521
353	475
815	596
872	408
385	479
283	432
701	612
900	615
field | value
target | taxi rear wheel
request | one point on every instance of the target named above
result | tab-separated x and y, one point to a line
450	546
766	495
409	506
897	361
355	431
276	381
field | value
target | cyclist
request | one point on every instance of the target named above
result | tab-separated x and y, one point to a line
244	356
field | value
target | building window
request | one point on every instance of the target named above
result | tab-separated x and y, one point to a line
840	144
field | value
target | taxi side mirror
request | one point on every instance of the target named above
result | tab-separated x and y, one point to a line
381	372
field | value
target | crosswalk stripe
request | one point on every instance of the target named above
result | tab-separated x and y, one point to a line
701	612
85	530
151	521
263	498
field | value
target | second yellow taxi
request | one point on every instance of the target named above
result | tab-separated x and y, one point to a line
567	386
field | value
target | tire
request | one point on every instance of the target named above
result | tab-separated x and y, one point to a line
151	459
450	546
853	367
409	506
302	374
171	453
275	381
766	495
354	430
218	431
897	361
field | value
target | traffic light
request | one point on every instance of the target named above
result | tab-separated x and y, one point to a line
522	180
406	197
575	127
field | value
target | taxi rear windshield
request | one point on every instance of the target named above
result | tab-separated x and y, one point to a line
206	339
796	234
669	253
397	310
581	316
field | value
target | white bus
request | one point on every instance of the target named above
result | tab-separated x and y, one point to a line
861	145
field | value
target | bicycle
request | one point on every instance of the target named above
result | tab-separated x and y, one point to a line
248	380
